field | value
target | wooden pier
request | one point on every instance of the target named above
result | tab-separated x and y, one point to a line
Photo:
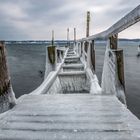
70	104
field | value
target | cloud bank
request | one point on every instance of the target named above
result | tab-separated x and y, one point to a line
34	19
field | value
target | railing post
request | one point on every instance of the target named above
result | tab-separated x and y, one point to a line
7	97
52	54
88	54
120	66
113	41
92	55
119	58
79	48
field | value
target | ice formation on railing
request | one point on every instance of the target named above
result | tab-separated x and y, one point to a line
55	88
110	82
7	100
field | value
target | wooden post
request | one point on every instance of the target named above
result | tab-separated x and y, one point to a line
68	37
120	66
7	97
92	55
82	43
52	37
113	41
4	76
52	54
74	36
119	56
88	23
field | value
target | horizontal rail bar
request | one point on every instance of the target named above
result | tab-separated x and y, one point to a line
130	19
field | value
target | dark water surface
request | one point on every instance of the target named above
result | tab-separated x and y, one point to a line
26	62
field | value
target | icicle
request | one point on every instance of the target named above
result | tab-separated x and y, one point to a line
110	82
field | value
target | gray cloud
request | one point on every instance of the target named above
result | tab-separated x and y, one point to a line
34	19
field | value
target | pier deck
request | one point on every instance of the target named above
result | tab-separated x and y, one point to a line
69	117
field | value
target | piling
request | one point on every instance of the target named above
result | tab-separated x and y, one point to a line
113	41
52	51
119	58
120	66
88	24
7	97
92	54
4	76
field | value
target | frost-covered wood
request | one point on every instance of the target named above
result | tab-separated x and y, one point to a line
7	97
69	117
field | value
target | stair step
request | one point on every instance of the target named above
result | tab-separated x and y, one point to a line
72	73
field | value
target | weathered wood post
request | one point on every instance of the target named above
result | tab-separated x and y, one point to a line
88	23
82	44
119	56
52	52
7	97
113	41
92	55
75	36
120	66
68	43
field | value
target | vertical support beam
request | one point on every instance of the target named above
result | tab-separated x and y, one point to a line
67	36
88	24
119	56
92	54
113	41
89	63
82	48
52	52
4	76
79	49
120	66
7	97
87	30
52	37
74	36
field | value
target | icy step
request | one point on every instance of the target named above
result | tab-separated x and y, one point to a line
73	67
69	117
74	82
72	73
69	55
72	59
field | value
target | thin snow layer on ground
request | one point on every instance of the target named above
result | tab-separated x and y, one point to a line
7	100
110	82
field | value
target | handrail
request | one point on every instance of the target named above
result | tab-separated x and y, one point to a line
130	19
44	87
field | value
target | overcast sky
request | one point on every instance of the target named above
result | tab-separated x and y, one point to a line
34	19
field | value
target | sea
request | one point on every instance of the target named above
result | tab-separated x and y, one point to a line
27	63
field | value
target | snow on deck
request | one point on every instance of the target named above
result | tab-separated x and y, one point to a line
69	117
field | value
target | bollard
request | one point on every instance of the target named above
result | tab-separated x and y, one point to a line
92	56
120	66
113	41
4	77
7	97
52	54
